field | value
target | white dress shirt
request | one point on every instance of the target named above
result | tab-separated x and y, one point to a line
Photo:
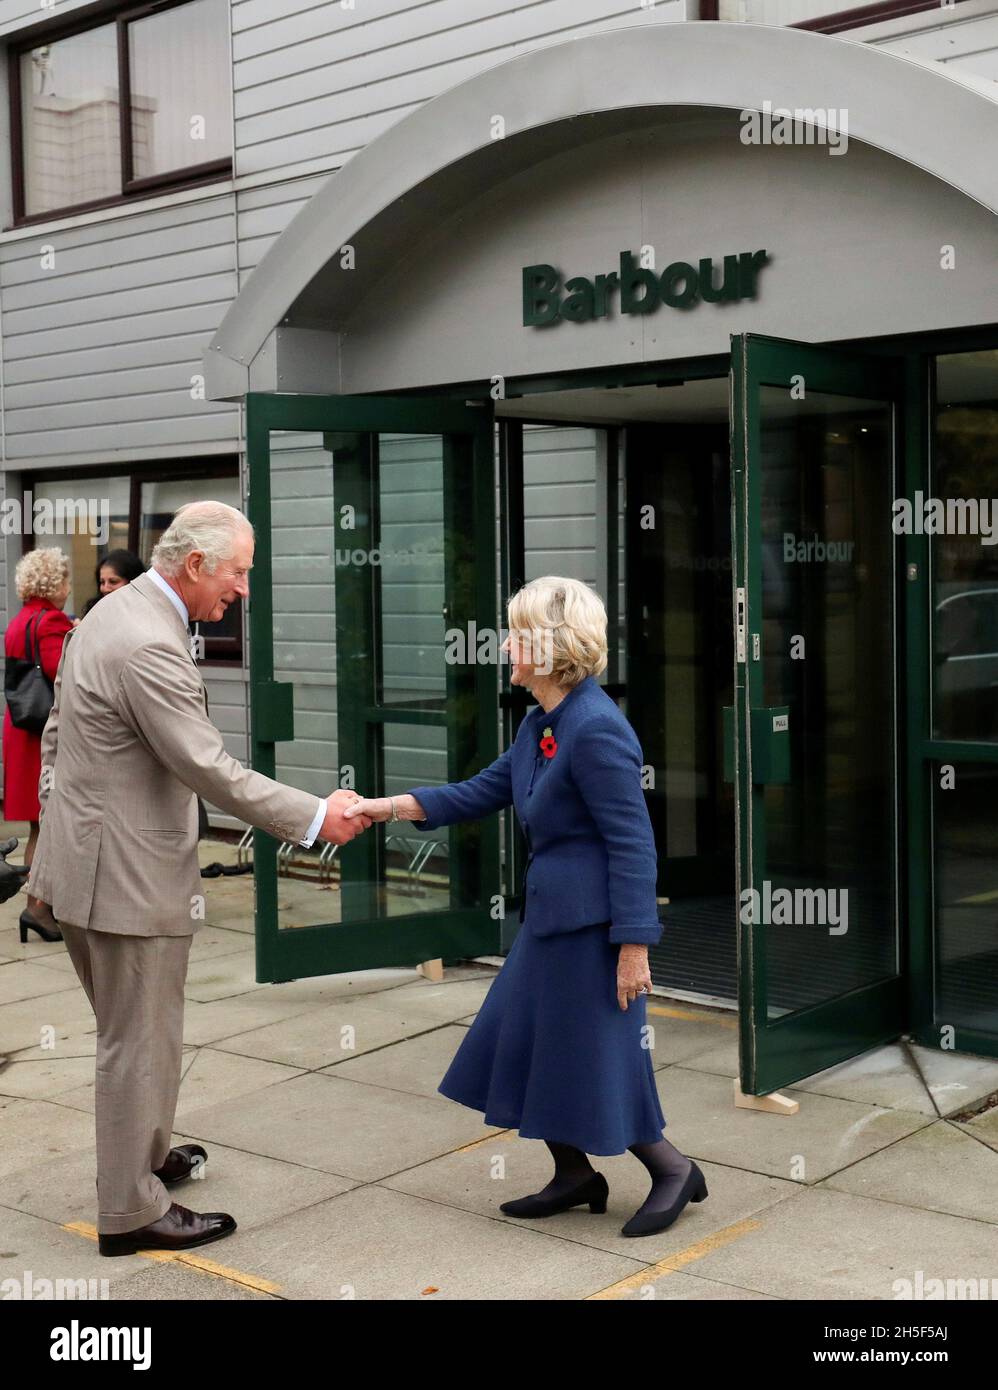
181	607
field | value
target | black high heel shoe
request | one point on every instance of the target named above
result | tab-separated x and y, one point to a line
694	1189
27	923
594	1191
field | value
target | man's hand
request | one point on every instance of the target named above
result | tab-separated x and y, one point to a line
12	876
336	827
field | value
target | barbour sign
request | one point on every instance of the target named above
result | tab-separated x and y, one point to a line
636	289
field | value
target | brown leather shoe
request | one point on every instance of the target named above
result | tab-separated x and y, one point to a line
180	1163
178	1229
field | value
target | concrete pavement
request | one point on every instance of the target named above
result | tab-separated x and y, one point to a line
350	1176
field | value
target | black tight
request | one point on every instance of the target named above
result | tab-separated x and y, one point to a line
571	1168
667	1167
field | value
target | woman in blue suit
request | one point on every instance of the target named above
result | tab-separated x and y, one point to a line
559	1049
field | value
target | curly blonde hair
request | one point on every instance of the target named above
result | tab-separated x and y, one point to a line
41	573
565	619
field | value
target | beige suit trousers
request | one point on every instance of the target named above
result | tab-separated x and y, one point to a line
136	987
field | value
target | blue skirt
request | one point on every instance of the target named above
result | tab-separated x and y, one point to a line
552	1054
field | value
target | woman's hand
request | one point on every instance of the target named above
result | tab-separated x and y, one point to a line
633	974
379	808
376	807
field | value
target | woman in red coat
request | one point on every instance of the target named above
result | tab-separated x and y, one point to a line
42	579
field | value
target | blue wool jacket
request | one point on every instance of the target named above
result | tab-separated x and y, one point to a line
591	851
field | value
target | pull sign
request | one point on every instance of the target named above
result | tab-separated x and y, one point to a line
740	624
781	722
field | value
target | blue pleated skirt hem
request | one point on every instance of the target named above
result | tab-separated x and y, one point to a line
551	1054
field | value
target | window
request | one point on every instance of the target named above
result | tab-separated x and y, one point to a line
124	107
825	16
964	445
130	511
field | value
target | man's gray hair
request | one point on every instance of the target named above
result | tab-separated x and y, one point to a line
211	527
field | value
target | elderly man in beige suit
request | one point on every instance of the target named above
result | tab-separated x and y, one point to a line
127	746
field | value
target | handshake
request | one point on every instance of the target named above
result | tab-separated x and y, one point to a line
348	813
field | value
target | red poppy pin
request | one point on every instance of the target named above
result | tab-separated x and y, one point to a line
548	745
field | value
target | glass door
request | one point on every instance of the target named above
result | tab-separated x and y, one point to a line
372	596
814	440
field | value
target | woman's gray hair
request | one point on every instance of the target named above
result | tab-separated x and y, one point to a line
211	527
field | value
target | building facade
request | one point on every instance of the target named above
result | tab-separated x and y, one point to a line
445	294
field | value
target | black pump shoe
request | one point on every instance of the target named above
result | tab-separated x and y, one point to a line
594	1191
694	1189
27	923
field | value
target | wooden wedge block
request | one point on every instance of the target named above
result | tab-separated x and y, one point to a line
775	1103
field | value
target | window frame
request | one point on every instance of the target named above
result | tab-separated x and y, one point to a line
836	20
191	176
225	652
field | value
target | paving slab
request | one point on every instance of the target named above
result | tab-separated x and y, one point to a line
174	1280
321	1037
940	1168
35	1132
57	958
825	1135
480	1176
23	979
49	1252
235	973
956	1079
822	1244
442	1002
677	1287
983	1127
363	1245
24	1024
344	1127
885	1076
416	1065
207	1077
47	1077
719	1060
682	1034
254	1189
223	1019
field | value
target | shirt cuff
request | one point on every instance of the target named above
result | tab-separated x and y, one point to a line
316	826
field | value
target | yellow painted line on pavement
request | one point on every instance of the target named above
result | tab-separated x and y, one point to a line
186	1257
663	1012
672	1263
477	1143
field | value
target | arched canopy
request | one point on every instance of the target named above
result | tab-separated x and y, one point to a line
447	151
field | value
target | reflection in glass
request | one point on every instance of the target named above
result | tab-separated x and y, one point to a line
965	822
827	586
70	121
965	566
180	108
360	554
410	570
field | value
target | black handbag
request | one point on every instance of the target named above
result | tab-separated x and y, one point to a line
26	687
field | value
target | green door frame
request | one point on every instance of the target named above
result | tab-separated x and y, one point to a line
777	1052
349	426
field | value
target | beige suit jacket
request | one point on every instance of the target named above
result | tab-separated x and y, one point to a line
125	749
